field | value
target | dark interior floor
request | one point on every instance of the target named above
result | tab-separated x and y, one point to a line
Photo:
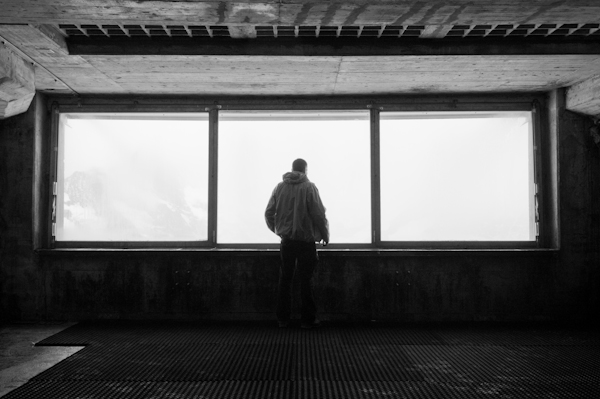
258	360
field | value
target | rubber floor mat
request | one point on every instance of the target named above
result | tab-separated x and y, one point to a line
257	360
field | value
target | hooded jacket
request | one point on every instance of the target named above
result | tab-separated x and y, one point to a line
295	210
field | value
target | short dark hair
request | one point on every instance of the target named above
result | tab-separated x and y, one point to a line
299	165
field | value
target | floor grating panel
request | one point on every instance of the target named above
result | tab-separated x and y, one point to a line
298	389
229	360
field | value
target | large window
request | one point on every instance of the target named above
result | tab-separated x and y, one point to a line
388	177
256	149
132	177
457	176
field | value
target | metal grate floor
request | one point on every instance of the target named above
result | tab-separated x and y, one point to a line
257	360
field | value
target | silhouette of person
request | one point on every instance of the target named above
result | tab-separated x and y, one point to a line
296	213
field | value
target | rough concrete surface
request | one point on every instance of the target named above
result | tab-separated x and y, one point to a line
20	359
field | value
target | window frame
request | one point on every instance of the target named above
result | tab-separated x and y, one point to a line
272	184
542	152
55	139
491	107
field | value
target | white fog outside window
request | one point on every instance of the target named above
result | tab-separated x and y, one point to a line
257	148
132	177
457	176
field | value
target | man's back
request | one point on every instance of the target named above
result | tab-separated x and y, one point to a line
295	210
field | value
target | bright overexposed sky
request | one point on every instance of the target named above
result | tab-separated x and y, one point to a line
140	165
254	153
444	176
456	178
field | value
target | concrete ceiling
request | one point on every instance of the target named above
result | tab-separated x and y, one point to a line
297	47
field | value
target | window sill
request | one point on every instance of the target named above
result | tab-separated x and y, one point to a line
373	252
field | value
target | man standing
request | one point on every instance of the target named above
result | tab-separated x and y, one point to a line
296	214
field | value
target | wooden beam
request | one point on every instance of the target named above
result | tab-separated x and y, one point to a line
584	97
38	43
299	12
17	83
46	48
56	36
328	47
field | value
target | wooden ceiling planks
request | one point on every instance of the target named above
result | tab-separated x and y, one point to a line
216	77
297	75
330	73
389	64
250	75
208	75
231	89
299	12
47	82
198	64
542	70
67	70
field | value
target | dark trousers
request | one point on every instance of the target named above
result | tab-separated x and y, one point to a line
302	256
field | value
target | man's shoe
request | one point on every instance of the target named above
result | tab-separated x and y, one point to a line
315	324
284	324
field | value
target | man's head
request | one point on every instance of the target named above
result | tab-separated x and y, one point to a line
299	165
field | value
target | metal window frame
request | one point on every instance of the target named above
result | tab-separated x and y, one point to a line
301	108
56	140
535	102
534	107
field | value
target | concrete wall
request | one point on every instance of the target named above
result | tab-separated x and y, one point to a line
407	286
20	276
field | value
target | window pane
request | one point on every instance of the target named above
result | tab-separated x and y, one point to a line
457	177
132	177
256	149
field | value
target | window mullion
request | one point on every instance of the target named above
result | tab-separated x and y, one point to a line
375	180
213	150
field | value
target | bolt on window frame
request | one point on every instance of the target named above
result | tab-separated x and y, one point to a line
542	156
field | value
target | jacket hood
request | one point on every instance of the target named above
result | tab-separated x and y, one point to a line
294	177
